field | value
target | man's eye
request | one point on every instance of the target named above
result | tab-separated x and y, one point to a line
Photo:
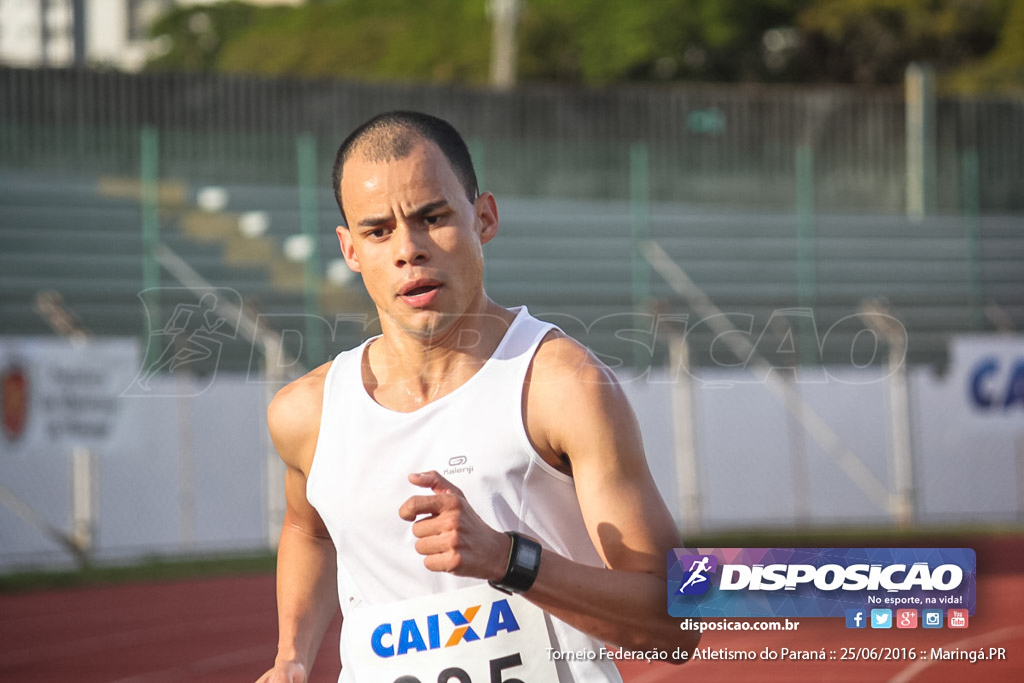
432	220
378	233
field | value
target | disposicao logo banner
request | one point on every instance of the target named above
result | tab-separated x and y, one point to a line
817	582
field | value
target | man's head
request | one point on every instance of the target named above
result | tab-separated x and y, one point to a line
414	224
391	136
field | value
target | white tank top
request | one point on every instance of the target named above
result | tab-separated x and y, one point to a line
475	437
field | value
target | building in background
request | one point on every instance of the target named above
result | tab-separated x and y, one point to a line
112	33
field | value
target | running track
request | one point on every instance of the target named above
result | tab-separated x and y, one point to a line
224	630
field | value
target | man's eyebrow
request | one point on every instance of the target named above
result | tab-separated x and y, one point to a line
429	208
374	221
418	212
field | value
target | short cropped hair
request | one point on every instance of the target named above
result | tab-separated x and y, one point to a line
391	135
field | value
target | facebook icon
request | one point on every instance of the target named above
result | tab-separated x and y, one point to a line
856	618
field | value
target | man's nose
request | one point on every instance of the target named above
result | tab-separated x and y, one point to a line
410	246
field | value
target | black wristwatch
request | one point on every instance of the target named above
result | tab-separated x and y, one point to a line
523	565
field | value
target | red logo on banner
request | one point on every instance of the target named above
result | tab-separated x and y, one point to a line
14	385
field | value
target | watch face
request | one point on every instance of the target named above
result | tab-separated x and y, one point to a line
528	556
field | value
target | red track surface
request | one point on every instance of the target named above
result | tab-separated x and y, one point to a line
224	630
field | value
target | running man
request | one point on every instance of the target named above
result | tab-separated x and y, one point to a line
545	539
698	569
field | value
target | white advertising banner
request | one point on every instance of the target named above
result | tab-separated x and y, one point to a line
59	394
969	432
990	370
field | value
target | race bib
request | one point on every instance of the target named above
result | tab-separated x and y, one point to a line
473	635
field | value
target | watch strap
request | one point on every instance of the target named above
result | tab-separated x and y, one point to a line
523	565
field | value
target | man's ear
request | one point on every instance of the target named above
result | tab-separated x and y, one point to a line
487	217
347	250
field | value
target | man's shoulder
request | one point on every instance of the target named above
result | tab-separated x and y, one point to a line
293	416
566	372
308	387
562	359
566	375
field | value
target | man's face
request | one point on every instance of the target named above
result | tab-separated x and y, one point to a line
416	238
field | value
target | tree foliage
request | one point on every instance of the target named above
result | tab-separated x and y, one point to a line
1002	69
873	41
426	40
594	41
194	38
974	43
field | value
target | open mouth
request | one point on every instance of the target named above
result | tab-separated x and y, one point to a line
420	292
422	289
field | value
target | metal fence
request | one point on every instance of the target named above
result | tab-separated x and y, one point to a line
705	144
771	199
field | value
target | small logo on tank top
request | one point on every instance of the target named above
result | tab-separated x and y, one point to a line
458	464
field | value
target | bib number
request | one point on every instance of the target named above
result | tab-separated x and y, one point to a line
457	675
474	635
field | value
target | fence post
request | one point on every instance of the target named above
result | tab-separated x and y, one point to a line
478	153
639	213
805	256
902	451
972	211
309	218
83	501
149	195
687	471
504	15
921	171
901	463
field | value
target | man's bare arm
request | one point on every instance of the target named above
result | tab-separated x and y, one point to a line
307	597
576	409
629	525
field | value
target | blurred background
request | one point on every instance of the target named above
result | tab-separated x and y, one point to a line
795	229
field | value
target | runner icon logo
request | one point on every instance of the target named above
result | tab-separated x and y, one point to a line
696	581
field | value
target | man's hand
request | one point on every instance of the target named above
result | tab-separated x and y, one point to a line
285	672
452	537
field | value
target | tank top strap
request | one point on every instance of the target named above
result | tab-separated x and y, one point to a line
522	339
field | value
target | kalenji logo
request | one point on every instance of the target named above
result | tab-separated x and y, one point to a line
420	636
696	581
458	464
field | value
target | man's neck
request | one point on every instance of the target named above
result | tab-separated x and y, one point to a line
404	371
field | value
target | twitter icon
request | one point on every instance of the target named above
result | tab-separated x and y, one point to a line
881	618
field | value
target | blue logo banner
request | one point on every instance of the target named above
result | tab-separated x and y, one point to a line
818	582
